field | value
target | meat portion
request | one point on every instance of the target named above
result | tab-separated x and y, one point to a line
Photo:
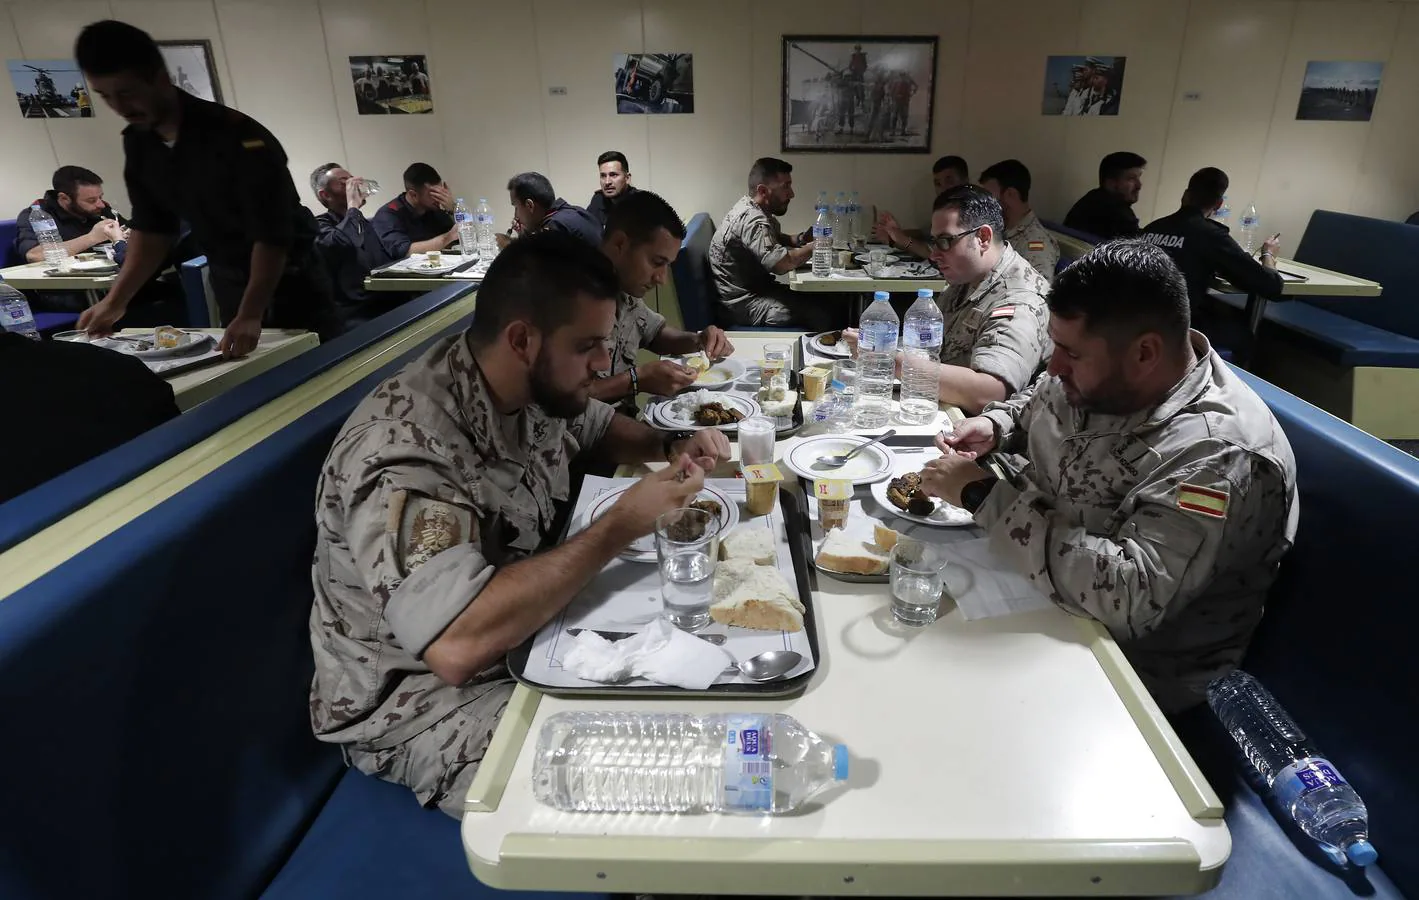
830	339
906	494
712	414
710	506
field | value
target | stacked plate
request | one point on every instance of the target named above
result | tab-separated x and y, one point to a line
678	414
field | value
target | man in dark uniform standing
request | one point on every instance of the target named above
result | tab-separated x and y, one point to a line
1204	249
222	173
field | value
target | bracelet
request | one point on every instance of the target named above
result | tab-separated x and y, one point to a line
1266	253
635	381
669	441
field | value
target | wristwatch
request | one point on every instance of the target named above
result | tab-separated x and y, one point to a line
635	381
974	494
669	441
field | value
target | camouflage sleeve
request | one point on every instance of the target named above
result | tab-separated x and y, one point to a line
1158	560
590	427
1011	344
411	523
1011	416
760	240
648	322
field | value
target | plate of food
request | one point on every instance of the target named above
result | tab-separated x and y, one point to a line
433	263
866	258
160	343
642	549
829	343
855	554
703	409
714	376
88	268
903	496
872	464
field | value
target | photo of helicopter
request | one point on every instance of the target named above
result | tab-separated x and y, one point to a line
50	89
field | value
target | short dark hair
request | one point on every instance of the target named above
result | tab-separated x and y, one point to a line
67	179
1115	164
615	156
537	279
1009	173
1122	289
420	175
110	47
640	215
766	169
320	178
1207	187
955	164
532	186
974	207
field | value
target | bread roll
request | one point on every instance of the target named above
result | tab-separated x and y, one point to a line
750	596
850	554
749	542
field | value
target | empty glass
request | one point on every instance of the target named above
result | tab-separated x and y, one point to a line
686	547
916	581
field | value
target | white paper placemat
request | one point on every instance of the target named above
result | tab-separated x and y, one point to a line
626	595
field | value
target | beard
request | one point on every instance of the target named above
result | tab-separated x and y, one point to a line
1111	397
556	402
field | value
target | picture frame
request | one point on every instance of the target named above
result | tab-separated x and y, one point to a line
858	94
192	67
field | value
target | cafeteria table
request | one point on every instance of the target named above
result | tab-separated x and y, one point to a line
1016	756
1317	282
31	277
196	385
858	280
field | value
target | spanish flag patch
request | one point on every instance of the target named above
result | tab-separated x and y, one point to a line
1203	501
253	145
1037	246
1002	312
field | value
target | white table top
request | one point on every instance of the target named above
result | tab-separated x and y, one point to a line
413	283
276	346
807	281
1319	282
1012	756
31	277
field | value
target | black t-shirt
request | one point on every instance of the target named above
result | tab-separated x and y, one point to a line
226	177
1204	250
89	400
599	207
572	220
71	225
1103	214
400	226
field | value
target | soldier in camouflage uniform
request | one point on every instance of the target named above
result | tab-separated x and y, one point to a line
643	235
435	506
750	248
1009	182
1158	493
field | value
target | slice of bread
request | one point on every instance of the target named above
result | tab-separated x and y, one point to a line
851	554
884	537
750	542
754	597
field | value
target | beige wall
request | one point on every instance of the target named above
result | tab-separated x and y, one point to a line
285	62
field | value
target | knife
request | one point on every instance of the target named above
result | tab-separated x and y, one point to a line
716	639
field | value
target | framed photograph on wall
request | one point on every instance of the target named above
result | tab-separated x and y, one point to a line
191	68
1083	85
844	94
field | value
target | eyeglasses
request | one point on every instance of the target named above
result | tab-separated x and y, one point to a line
947	241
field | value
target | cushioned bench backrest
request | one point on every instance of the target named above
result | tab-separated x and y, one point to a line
8	256
1337	643
694	285
157	739
1377	249
26	514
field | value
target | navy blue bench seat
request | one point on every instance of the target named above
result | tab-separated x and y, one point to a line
1338	339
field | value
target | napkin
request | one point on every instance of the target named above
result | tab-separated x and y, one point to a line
661	653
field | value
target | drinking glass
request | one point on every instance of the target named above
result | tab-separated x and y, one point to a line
776	360
686	546
916	581
756	440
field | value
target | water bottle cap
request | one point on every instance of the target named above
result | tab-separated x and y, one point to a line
881	295
840	762
838	385
1362	853
923	294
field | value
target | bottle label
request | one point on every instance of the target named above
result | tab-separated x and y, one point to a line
878	339
822	231
930	334
748	773
1250	221
463	218
1303	776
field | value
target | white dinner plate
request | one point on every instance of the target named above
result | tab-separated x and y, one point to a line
192	342
945	515
835	351
418	264
719	377
671	414
867	258
87	268
642	549
872	464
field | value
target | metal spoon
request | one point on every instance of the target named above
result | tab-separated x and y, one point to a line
767	666
837	462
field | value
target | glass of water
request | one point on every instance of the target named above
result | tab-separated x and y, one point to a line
916	581
844	385
777	357
686	546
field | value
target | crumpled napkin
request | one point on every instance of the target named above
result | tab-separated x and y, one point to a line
660	652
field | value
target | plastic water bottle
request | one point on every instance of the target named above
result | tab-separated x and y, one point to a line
922	333
15	314
47	231
757	763
840	225
821	203
836	408
854	218
483	218
878	334
823	244
1251	221
1305	783
1223	215
467	230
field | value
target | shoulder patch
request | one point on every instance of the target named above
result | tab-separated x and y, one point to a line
1002	312
1203	501
424	528
255	144
1037	246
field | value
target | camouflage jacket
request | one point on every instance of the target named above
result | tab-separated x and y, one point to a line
1034	242
1167	525
1001	327
743	253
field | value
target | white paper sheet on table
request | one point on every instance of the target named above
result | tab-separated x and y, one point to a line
626	596
988	588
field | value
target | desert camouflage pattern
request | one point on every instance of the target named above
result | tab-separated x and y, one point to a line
1001	326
